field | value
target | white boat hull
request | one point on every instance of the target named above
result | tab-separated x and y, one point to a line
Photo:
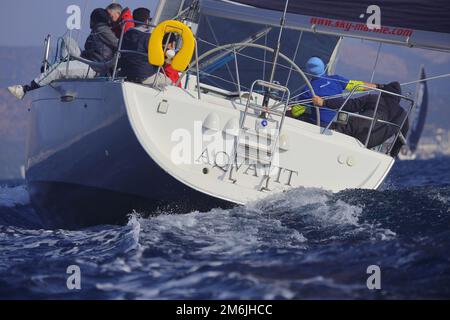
115	148
329	160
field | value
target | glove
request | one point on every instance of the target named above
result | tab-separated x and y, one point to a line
380	86
298	110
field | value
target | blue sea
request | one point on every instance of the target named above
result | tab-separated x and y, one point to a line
303	244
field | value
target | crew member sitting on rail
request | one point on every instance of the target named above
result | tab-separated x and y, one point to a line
100	47
101	44
134	66
324	85
389	110
119	16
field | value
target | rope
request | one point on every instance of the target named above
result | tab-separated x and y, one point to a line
203	73
426	79
295	56
376	62
215	39
264	63
368	91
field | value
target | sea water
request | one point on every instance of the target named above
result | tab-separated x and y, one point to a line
302	244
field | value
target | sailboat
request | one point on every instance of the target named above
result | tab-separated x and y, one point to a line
100	148
419	114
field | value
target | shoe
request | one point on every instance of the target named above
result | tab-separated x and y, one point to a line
17	91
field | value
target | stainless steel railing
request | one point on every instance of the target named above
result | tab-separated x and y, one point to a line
119	48
120	51
374	119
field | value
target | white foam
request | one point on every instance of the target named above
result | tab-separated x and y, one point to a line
219	232
316	203
133	222
441	198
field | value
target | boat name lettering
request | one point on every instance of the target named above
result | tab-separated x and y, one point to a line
222	161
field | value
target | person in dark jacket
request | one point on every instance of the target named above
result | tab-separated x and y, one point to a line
119	16
101	45
389	109
135	67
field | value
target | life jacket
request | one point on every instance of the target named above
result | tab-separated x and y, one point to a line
126	15
172	74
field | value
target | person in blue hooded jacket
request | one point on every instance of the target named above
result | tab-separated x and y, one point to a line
324	86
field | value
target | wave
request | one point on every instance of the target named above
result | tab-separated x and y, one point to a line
303	243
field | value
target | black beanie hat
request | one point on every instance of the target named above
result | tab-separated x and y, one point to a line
100	15
141	15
